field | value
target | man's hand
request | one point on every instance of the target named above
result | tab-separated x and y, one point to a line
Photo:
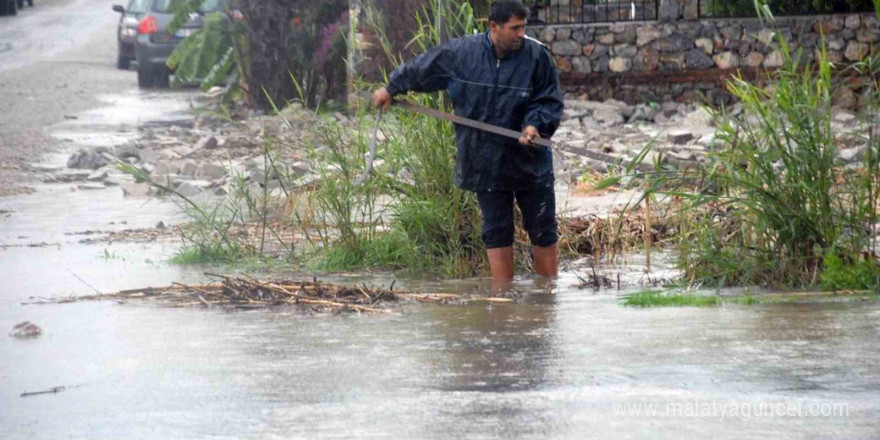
382	99
529	134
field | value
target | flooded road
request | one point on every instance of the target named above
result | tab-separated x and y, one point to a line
557	363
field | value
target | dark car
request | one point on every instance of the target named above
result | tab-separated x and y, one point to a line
11	7
155	43
126	31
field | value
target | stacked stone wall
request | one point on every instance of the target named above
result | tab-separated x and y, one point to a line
690	60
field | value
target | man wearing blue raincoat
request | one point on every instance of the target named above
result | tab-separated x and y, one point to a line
503	78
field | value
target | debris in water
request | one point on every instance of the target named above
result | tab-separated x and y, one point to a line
53	390
26	329
246	292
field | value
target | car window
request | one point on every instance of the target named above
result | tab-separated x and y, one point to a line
207	6
137	6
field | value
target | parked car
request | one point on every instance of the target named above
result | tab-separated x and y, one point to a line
155	44
11	7
126	31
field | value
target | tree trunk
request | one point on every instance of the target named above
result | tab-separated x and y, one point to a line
268	60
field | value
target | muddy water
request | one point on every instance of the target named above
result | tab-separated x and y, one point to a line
558	363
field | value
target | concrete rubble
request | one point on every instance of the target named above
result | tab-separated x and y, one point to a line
215	155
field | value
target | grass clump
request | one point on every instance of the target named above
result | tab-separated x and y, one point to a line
777	206
657	298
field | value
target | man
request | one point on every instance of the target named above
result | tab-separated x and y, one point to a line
503	78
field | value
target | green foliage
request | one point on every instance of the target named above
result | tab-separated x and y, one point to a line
207	56
776	199
423	221
657	298
851	273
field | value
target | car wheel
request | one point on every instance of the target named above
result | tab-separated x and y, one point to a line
11	7
30	3
123	63
161	77
145	78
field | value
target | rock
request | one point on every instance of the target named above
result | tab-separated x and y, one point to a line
210	171
679	137
619	65
697	59
582	36
846	118
856	51
581	65
606	39
90	187
563	34
118	179
189	168
624	34
25	329
672	61
699	118
732	33
87	158
624	50
646	60
646	35
135	189
148	155
548	35
600	65
852	155
207	143
706	45
97	176
563	65
835	44
126	151
774	60
183	151
187	189
853	22
867	35
675	43
766	36
845	98
256	176
726	60
566	48
608	117
72	176
641	113
596	50
165	167
754	59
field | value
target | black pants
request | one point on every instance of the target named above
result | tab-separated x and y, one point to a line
538	209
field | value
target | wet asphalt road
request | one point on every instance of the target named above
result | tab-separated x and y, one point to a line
56	59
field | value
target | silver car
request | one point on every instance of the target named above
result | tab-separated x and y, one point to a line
126	31
154	42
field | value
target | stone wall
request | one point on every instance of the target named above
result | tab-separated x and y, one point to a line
686	60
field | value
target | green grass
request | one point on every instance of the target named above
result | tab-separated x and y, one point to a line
207	254
776	206
657	298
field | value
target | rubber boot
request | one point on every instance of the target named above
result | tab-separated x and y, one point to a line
546	260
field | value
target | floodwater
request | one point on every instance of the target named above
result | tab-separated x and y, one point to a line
557	363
